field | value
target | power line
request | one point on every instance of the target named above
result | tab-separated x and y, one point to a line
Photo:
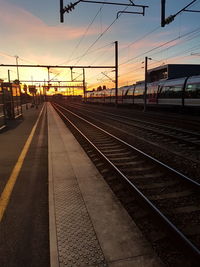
190	38
100	36
196	47
86	31
5	54
139	39
99	48
145	35
183	41
157	47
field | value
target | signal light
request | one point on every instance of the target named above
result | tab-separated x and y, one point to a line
169	19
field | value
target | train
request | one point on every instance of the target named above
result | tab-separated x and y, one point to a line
180	92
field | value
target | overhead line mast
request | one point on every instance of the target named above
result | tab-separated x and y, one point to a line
170	18
71	6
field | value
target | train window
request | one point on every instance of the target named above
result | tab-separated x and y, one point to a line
130	91
139	92
192	90
171	91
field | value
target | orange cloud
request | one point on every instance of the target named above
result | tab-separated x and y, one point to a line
22	24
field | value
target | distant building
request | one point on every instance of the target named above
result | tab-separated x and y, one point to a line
172	71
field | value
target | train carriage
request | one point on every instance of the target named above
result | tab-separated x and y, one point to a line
164	93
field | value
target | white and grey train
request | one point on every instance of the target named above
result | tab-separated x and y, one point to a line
183	92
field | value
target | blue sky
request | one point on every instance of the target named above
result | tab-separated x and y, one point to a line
32	30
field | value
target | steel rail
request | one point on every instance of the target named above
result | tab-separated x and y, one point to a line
156	124
138	150
179	154
150	124
165	220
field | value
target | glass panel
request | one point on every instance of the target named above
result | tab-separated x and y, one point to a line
192	90
139	92
171	92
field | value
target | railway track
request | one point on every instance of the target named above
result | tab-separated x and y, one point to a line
183	142
169	198
177	120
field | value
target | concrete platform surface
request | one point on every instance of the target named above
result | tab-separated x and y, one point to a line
88	225
24	216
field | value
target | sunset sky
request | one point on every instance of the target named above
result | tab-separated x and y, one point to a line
32	31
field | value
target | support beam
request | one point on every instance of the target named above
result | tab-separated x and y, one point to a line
69	81
57	66
71	6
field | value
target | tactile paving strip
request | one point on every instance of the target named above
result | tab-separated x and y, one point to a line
77	241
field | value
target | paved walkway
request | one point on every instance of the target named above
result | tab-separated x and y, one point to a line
88	225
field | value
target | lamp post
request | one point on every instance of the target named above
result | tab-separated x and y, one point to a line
17	67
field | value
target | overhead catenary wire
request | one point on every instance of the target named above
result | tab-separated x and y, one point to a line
101	35
86	31
134	42
89	48
191	35
82	38
168	42
148	33
189	39
194	48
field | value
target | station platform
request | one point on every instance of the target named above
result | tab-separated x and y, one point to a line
55	208
24	220
87	224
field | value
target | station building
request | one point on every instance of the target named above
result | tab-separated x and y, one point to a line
173	71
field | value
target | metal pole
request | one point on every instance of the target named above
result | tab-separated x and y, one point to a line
71	74
116	73
17	67
145	84
61	12
44	91
25	90
163	2
48	81
84	87
9	76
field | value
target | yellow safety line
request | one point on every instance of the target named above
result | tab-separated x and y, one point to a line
6	194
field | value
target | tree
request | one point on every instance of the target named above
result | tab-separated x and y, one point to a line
99	88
